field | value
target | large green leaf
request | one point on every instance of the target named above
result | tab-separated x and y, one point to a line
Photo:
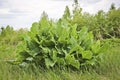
77	48
96	47
54	55
61	61
35	28
73	41
44	22
70	60
88	41
87	55
82	34
64	35
74	31
45	50
104	48
49	63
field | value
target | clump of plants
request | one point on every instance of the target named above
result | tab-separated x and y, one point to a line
49	44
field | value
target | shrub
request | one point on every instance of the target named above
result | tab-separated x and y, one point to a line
51	44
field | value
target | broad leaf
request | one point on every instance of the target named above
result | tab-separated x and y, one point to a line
49	63
96	47
70	60
87	55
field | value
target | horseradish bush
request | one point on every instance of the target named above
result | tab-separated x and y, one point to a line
49	44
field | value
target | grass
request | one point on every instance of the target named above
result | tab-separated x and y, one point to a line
109	69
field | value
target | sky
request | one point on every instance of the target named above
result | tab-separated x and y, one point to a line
22	13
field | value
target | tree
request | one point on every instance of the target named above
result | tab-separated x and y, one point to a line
66	14
76	1
112	6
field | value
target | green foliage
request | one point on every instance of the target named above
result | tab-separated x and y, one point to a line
66	14
51	44
6	31
66	42
102	24
11	37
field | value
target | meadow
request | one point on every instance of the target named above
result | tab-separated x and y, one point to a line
70	48
109	68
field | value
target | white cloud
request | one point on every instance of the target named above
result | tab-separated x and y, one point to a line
21	13
24	12
4	11
92	6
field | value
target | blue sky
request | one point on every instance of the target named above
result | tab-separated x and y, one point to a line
22	13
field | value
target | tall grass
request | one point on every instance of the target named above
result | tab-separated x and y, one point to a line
109	68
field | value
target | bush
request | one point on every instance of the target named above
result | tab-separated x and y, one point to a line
49	44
